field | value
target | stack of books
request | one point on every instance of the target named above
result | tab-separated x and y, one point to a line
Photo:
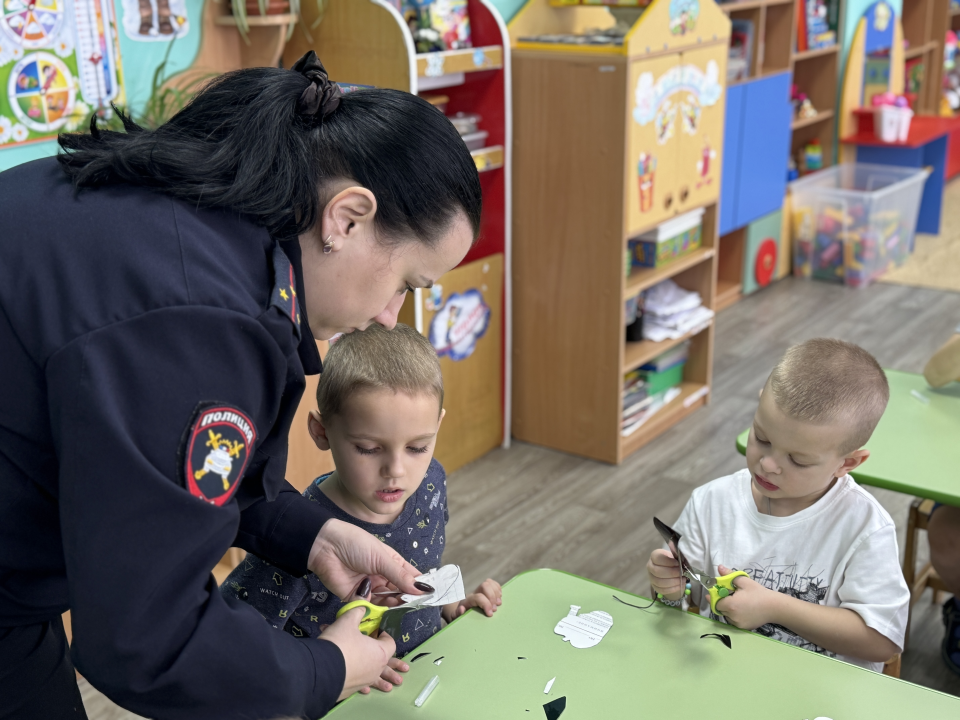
650	387
817	22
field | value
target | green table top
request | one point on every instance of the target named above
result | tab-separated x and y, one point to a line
916	447
651	664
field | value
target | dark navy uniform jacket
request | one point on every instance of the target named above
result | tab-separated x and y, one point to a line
150	355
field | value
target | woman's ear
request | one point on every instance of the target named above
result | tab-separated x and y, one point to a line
348	214
317	430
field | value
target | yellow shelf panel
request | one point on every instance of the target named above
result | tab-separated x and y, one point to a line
260	20
818	52
459	61
751	4
804	122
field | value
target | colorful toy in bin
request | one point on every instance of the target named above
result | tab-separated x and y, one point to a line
853	222
669	240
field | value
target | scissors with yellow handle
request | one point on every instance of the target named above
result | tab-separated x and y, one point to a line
717	587
379	617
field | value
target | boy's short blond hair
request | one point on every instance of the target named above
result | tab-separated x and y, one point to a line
401	360
825	380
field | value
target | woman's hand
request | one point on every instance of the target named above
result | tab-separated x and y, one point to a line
366	659
343	555
488	597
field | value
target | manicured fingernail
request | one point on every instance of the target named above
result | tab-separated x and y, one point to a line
423	586
364	588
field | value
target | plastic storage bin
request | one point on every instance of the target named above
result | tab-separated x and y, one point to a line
852	222
669	240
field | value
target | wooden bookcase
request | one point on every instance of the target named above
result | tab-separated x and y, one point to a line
579	198
367	42
817	73
925	24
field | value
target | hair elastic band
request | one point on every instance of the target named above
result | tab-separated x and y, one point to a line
321	97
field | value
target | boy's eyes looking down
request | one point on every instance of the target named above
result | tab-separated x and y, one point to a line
766	443
372	451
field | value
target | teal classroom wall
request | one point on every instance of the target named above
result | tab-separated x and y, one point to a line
140	60
853	11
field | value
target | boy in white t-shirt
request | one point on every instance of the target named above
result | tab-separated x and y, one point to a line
820	551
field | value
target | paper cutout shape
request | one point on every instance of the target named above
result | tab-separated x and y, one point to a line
448	588
639	607
550	683
555	708
584	631
725	639
439	660
418	656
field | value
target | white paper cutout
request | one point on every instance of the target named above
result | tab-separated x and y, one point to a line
448	588
546	690
584	631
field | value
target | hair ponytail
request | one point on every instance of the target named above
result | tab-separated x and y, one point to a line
241	144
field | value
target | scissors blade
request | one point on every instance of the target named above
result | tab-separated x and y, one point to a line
392	618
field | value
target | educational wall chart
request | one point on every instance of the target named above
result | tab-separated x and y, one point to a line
59	60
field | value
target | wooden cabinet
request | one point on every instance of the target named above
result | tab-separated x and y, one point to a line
610	141
676	134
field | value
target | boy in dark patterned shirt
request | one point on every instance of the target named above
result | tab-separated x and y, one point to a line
380	401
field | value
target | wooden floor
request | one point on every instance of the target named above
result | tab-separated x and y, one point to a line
528	507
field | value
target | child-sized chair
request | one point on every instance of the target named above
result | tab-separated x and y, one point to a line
917	520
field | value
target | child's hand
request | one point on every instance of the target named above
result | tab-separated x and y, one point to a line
664	573
750	606
390	676
488	597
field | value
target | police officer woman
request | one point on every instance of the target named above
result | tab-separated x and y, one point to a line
160	292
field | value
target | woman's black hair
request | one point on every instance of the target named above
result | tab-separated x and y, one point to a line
240	144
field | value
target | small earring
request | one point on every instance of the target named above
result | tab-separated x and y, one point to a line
327	246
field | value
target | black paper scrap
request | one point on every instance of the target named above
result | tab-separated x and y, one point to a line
437	661
555	708
639	607
725	639
418	656
520	658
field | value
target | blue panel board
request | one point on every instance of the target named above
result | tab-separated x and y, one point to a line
730	179
765	148
933	154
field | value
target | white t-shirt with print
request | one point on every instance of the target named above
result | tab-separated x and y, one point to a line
839	552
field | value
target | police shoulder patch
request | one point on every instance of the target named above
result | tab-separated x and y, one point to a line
215	450
284	296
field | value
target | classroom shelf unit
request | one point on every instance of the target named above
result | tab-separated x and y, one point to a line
367	42
925	24
761	128
588	123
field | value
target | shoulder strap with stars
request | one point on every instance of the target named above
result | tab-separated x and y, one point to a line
284	296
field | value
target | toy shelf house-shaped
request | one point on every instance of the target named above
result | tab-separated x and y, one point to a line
618	128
